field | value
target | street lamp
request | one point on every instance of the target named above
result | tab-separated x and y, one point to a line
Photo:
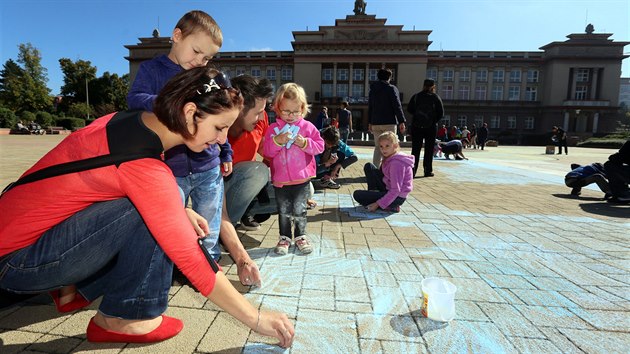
87	98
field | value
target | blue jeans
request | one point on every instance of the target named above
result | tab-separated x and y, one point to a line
106	250
376	188
291	202
248	178
344	133
206	191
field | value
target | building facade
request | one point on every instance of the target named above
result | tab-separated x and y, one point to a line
521	95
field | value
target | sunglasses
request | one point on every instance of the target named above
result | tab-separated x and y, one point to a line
217	83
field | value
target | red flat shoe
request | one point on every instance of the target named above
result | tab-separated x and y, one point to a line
79	302
169	327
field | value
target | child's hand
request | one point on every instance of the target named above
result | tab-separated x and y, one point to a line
227	169
372	207
300	141
282	139
198	222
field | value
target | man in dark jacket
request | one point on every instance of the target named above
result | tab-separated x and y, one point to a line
618	172
560	137
384	110
427	109
482	135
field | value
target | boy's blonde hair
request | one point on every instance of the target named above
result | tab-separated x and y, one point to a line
199	21
291	91
391	137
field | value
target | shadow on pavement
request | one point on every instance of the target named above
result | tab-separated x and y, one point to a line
607	209
586	199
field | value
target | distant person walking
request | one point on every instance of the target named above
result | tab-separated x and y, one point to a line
344	119
427	109
560	138
384	110
482	135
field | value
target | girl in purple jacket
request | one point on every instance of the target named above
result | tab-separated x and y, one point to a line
388	186
291	144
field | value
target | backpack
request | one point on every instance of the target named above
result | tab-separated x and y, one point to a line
424	115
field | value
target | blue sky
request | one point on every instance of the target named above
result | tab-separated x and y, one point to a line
97	30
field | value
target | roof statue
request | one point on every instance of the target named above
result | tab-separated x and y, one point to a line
589	29
359	7
156	33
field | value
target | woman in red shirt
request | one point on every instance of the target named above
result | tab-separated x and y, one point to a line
115	231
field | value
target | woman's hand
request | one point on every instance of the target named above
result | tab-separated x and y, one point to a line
227	169
198	222
248	273
372	207
274	324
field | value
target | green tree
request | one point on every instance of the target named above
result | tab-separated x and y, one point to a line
75	75
79	109
109	90
23	88
7	118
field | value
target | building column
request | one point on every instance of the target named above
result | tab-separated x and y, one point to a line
334	91
350	93
565	125
366	83
595	122
593	90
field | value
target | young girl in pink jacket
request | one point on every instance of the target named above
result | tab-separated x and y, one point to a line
291	143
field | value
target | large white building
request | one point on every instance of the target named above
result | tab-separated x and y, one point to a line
573	83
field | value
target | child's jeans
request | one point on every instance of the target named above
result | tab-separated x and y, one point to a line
105	249
291	201
206	191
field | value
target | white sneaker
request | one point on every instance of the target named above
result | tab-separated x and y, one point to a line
283	245
303	245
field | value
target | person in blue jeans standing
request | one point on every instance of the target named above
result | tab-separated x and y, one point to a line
196	39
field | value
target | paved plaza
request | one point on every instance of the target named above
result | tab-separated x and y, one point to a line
536	270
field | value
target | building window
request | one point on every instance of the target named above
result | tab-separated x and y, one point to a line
511	122
342	74
256	72
532	75
464	92
515	75
529	123
287	74
342	90
582	75
581	93
327	90
514	93
478	121
464	75
446	120
271	73
358	74
495	122
447	92
357	90
482	75
531	93
497	93
327	74
240	71
448	75
498	75
480	93
462	121
432	73
373	74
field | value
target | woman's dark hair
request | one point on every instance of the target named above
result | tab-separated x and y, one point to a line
252	89
384	74
207	88
331	135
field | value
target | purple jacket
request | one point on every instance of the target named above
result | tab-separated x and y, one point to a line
398	178
151	78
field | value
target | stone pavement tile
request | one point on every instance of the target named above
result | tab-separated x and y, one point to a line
410	288
188	297
388	327
285	304
475	290
607	295
319	282
553	284
387	300
430	267
469	311
507	281
535	345
381	251
403	277
533	267
224	333
353	307
509	296
591	301
552	317
560	340
458	269
55	344
464	337
393	347
284	281
484	267
351	289
544	298
597	341
17	341
581	275
605	320
75	325
325	332
332	266
403	268
34	318
508	266
509	320
459	251
370	346
317	300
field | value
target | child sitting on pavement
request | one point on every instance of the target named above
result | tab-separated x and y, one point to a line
388	186
582	176
336	155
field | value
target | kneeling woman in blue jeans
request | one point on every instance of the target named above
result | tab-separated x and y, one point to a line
115	231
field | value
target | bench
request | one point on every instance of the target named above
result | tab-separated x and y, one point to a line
56	130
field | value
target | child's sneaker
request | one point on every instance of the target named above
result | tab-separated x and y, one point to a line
283	245
249	223
330	184
303	245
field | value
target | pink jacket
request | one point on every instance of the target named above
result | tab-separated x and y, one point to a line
397	176
293	165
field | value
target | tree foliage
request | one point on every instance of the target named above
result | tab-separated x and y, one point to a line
23	87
